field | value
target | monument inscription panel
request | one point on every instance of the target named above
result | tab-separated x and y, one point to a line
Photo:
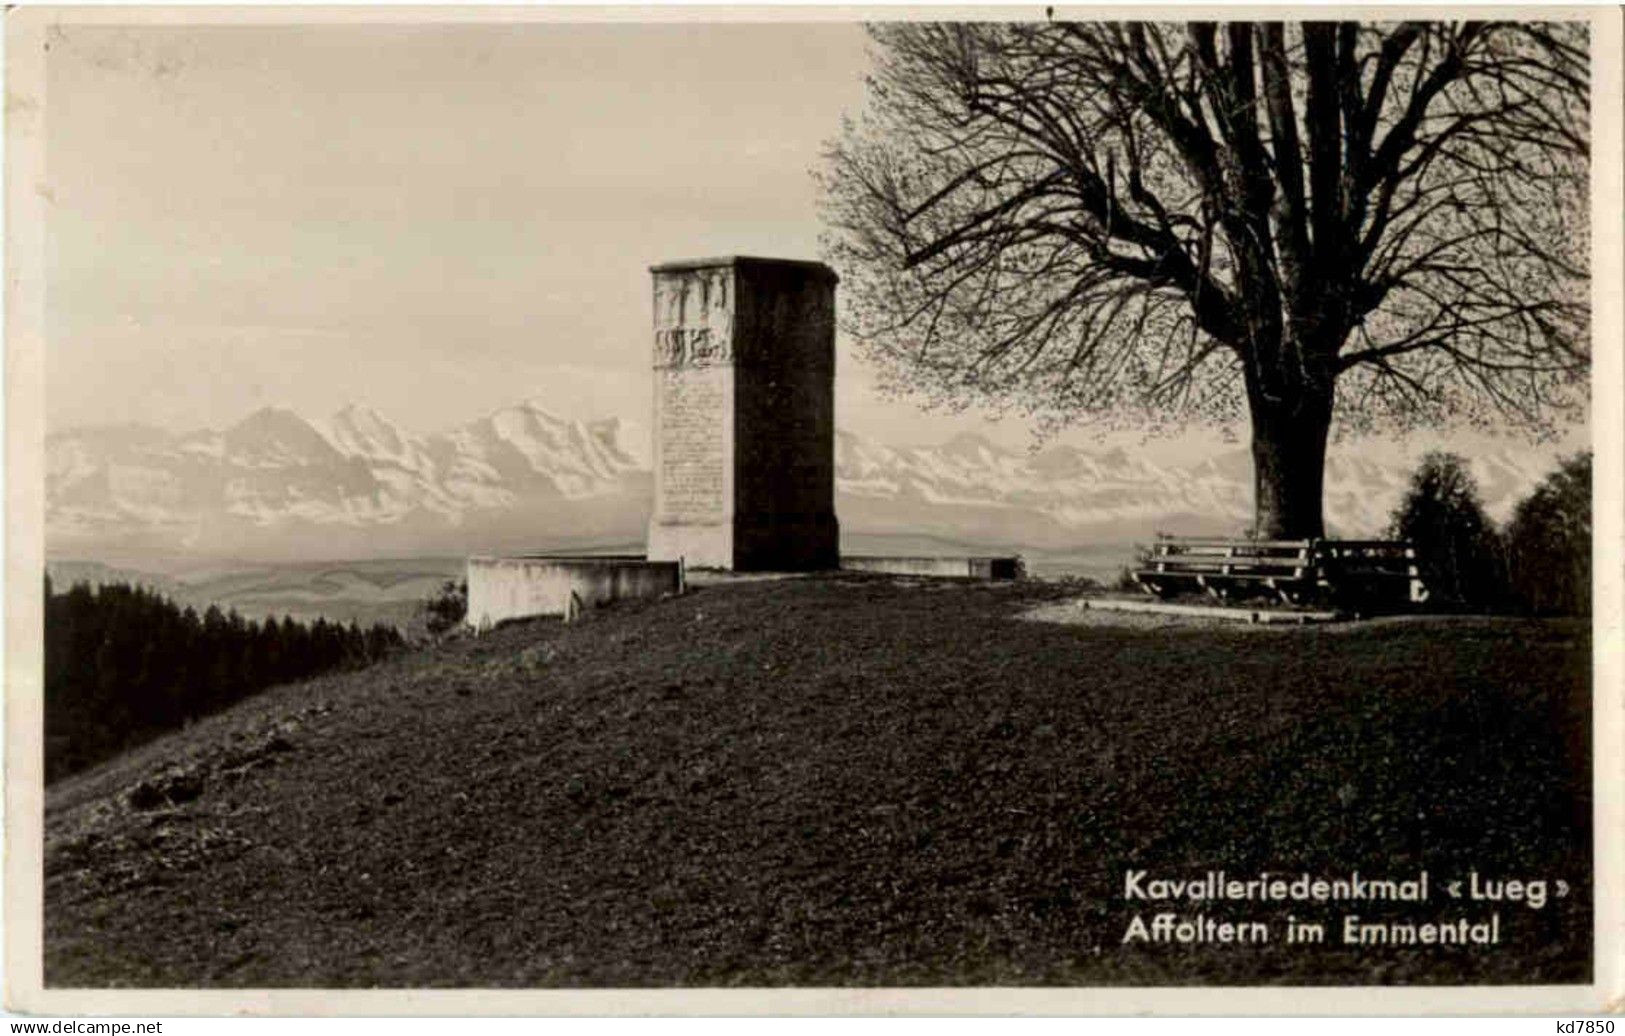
692	454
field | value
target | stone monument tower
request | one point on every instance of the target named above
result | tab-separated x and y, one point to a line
744	364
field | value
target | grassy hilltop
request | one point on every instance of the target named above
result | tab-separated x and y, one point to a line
836	780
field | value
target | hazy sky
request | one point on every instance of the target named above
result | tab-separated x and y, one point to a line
433	220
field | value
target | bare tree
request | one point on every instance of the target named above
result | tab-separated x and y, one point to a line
1309	224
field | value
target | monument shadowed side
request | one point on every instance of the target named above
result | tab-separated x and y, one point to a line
784	413
744	365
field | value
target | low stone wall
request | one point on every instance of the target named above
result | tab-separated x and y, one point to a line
960	567
500	589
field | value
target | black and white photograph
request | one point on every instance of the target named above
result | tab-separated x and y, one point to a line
1070	506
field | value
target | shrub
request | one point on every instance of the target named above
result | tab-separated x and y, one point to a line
1459	551
1549	542
446	608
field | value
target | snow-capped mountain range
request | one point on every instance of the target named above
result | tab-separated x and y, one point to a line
277	486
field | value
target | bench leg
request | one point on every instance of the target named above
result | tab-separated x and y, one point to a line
1151	587
1214	591
1285	593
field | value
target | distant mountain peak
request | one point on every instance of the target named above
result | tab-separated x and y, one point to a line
360	411
276	430
539	406
271	412
972	446
359	429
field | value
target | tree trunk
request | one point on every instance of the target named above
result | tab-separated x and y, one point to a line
1289	469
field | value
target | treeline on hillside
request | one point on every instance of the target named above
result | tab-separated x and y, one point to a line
123	663
1539	563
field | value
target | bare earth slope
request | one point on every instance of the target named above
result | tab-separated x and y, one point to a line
836	780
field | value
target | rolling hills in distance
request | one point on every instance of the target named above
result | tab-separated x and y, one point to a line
279	513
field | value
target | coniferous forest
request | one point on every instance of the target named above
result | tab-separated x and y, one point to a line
124	664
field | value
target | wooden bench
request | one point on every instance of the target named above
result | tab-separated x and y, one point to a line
1224	568
1295	571
1371	570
